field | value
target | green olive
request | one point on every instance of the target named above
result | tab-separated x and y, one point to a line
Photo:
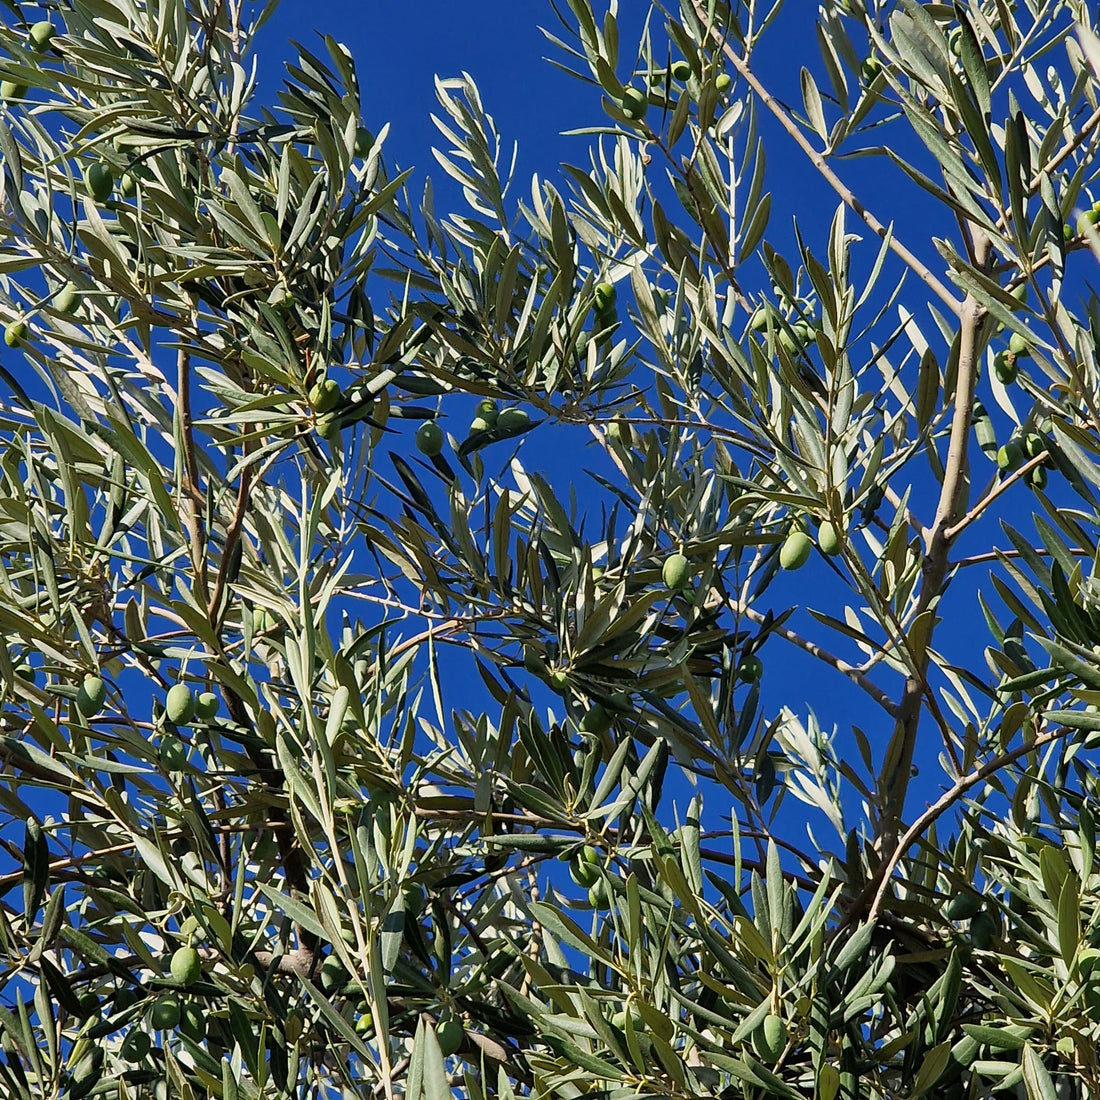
681	70
186	966
40	35
676	572
634	104
429	438
15	333
179	704
828	538
99	181
795	551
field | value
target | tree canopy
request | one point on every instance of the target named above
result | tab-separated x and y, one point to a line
617	637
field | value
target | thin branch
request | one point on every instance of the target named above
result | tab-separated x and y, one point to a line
846	194
993	494
938	808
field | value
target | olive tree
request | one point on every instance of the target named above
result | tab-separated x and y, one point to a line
352	751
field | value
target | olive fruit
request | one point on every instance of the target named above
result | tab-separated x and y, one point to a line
328	426
135	1046
1034	444
90	695
597	895
795	551
173	754
364	141
634	104
206	705
67	298
1010	455
26	671
479	424
99	181
487	410
1037	478
513	420
41	33
186	966
15	333
179	704
619	430
450	1034
750	669
676	572
1085	219
166	1013
722	82
429	438
364	1023
332	974
681	70
604	296
828	538
193	1022
1005	367
769	1038
559	679
1018	344
758	322
325	396
870	70
983	928
10	90
584	866
963	906
596	719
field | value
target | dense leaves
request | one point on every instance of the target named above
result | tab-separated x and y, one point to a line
407	685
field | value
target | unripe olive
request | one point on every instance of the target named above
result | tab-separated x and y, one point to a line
584	867
479	424
449	1034
324	396
186	966
1037	478
676	572
206	705
722	82
364	141
91	695
328	426
179	704
40	35
596	719
604	296
512	420
135	1046
769	1038
193	1022
750	669
634	104
1018	344
597	895
828	538
1086	219
681	70
10	90
99	181
173	754
1005	367
166	1013
487	410
795	551
66	298
1010	455
429	438
15	333
963	906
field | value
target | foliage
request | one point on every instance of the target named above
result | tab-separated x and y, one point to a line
349	759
